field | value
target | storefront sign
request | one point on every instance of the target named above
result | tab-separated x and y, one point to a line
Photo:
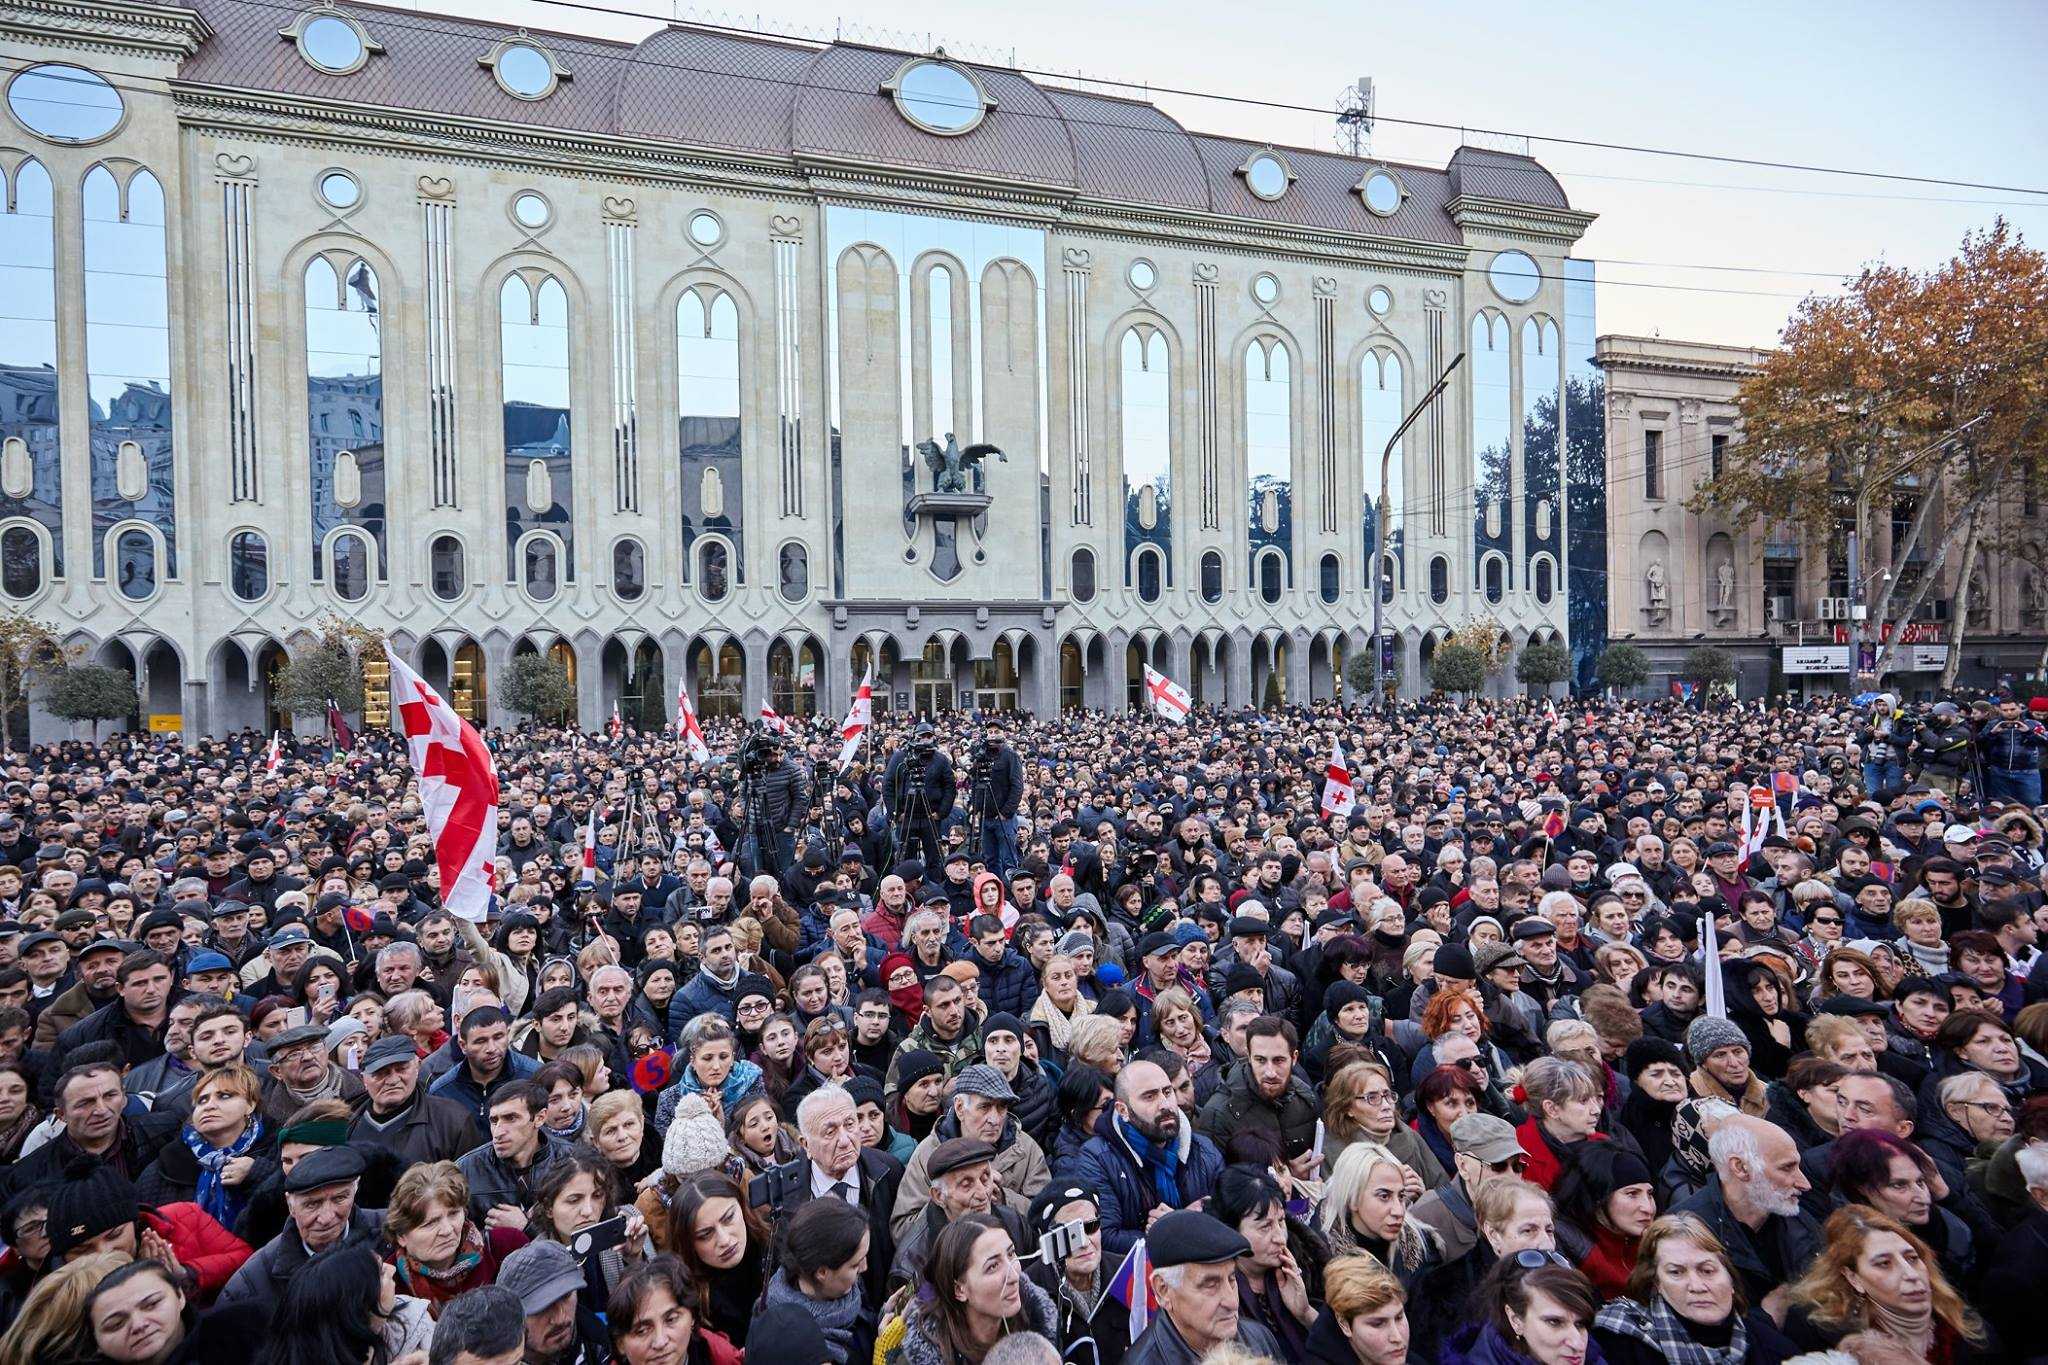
1815	659
166	725
1922	658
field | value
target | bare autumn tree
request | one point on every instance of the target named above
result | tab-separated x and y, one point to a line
1922	389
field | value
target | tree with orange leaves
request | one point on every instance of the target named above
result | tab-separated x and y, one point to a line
1910	399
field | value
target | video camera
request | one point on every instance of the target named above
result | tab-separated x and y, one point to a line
758	753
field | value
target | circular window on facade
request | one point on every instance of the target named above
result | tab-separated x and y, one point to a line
1382	193
1266	176
1515	276
939	97
1142	276
1266	290
333	44
64	103
525	71
1380	299
531	211
339	190
705	229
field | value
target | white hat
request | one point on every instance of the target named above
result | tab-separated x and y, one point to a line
1959	834
1616	871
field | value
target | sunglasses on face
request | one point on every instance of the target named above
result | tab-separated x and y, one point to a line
1827	919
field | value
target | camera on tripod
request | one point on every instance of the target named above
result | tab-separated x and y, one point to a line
757	753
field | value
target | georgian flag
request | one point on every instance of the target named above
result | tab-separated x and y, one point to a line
1167	697
687	728
458	790
858	717
617	724
1758	814
590	846
1338	796
773	721
270	760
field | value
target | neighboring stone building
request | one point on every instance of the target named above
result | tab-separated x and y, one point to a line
503	341
1776	599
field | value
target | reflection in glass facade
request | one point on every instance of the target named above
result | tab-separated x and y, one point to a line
1146	394
708	399
1540	422
344	401
248	566
28	352
128	359
1269	458
135	564
533	331
1381	406
1585	473
1492	420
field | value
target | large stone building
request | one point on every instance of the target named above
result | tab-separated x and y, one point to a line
1777	599
675	357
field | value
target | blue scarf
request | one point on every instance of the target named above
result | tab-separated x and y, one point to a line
1164	1161
217	1197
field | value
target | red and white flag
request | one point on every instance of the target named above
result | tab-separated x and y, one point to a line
272	759
1758	814
458	790
773	721
858	717
1338	797
687	728
617	725
1167	697
590	847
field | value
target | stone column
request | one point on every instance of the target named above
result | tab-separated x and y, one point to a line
1237	692
1297	668
497	658
1116	647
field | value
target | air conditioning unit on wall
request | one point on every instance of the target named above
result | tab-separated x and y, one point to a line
1777	608
1827	609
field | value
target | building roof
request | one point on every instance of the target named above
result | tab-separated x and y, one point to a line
722	92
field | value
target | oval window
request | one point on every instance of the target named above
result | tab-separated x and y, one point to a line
1142	275
351	556
1330	584
713	571
1083	577
1382	193
332	44
1148	576
21	562
629	570
525	71
529	210
1545	586
1266	177
939	98
339	190
248	566
64	103
542	575
1380	300
1212	578
448	572
793	568
1266	289
135	565
1515	276
1439	580
705	229
1269	578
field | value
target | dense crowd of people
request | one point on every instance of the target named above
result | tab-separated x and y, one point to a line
1598	1031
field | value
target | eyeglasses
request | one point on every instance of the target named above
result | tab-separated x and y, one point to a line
1530	1258
1989	1106
1516	1163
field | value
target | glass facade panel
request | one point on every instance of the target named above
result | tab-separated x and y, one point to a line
533	336
1269	453
1145	394
345	399
1541	420
28	351
708	401
1381	407
1584	525
128	355
1492	419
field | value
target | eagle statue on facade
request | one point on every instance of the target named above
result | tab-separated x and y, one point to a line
950	465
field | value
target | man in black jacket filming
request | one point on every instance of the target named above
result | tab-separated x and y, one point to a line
919	790
995	786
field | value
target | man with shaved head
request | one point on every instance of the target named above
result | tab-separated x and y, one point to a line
1752	1204
1134	1165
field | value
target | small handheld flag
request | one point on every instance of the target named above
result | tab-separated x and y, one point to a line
858	717
687	728
1338	796
1167	697
271	760
774	722
1131	1286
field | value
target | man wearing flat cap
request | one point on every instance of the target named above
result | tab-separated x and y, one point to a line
1194	1269
979	1109
963	1181
401	1116
320	1196
548	1280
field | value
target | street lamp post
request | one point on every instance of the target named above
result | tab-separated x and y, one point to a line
1378	576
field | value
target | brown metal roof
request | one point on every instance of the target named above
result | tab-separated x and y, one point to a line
789	100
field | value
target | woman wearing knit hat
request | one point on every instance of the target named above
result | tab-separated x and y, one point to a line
1656	1073
1610	1195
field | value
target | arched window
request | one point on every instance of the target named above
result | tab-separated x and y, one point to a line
30	475
708	405
350	570
629	570
1495	586
128	354
1212	578
135	564
21	562
1492	417
1269	577
1148	575
1083	576
1145	395
344	397
1381	407
1329	578
1540	422
533	324
1546	585
1439	580
1269	454
446	562
248	566
541	571
793	572
713	567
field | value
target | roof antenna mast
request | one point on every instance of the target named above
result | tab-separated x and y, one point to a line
1354	117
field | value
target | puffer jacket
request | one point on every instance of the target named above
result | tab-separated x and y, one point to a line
1239	1105
1037	1108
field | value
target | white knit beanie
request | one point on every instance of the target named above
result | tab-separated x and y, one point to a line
695	1141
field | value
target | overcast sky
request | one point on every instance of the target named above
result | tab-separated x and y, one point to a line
1947	90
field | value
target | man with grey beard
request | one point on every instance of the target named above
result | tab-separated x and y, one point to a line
1752	1205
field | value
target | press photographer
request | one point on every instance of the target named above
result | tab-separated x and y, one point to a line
775	795
918	791
995	787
